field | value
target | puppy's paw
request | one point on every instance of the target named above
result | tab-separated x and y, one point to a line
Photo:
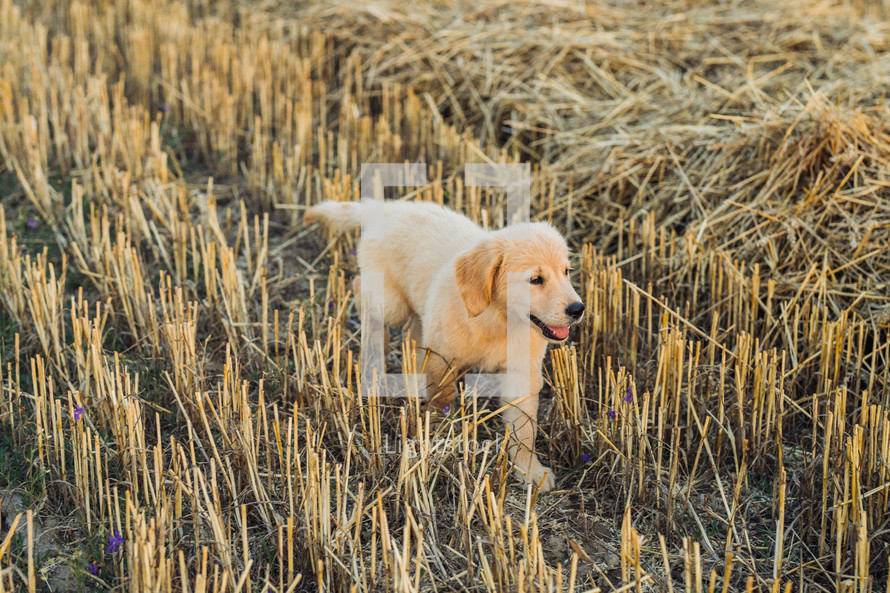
534	472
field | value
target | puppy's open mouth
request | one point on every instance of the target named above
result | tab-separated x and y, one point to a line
551	332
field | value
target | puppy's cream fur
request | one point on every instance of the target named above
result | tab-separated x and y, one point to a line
447	280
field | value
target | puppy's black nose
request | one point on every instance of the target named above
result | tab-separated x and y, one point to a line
575	310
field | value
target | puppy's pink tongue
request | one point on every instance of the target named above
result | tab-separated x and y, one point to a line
560	332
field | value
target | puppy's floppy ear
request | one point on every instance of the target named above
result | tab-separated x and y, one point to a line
476	271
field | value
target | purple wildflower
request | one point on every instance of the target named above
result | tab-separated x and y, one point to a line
612	414
630	396
446	409
32	222
114	543
165	107
27	90
93	568
78	412
586	457
352	251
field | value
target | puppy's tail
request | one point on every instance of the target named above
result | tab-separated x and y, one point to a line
339	217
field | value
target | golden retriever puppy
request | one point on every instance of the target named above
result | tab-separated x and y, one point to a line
447	279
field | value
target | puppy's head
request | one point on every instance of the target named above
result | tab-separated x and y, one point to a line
529	262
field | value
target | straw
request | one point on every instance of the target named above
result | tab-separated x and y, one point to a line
180	398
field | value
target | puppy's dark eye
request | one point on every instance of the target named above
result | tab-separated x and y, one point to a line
567	271
537	280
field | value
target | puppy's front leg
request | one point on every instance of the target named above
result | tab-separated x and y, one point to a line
521	415
440	378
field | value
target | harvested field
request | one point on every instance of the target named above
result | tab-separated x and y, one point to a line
179	354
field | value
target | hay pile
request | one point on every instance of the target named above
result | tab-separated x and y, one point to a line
178	354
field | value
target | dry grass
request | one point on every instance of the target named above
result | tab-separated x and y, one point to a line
178	354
